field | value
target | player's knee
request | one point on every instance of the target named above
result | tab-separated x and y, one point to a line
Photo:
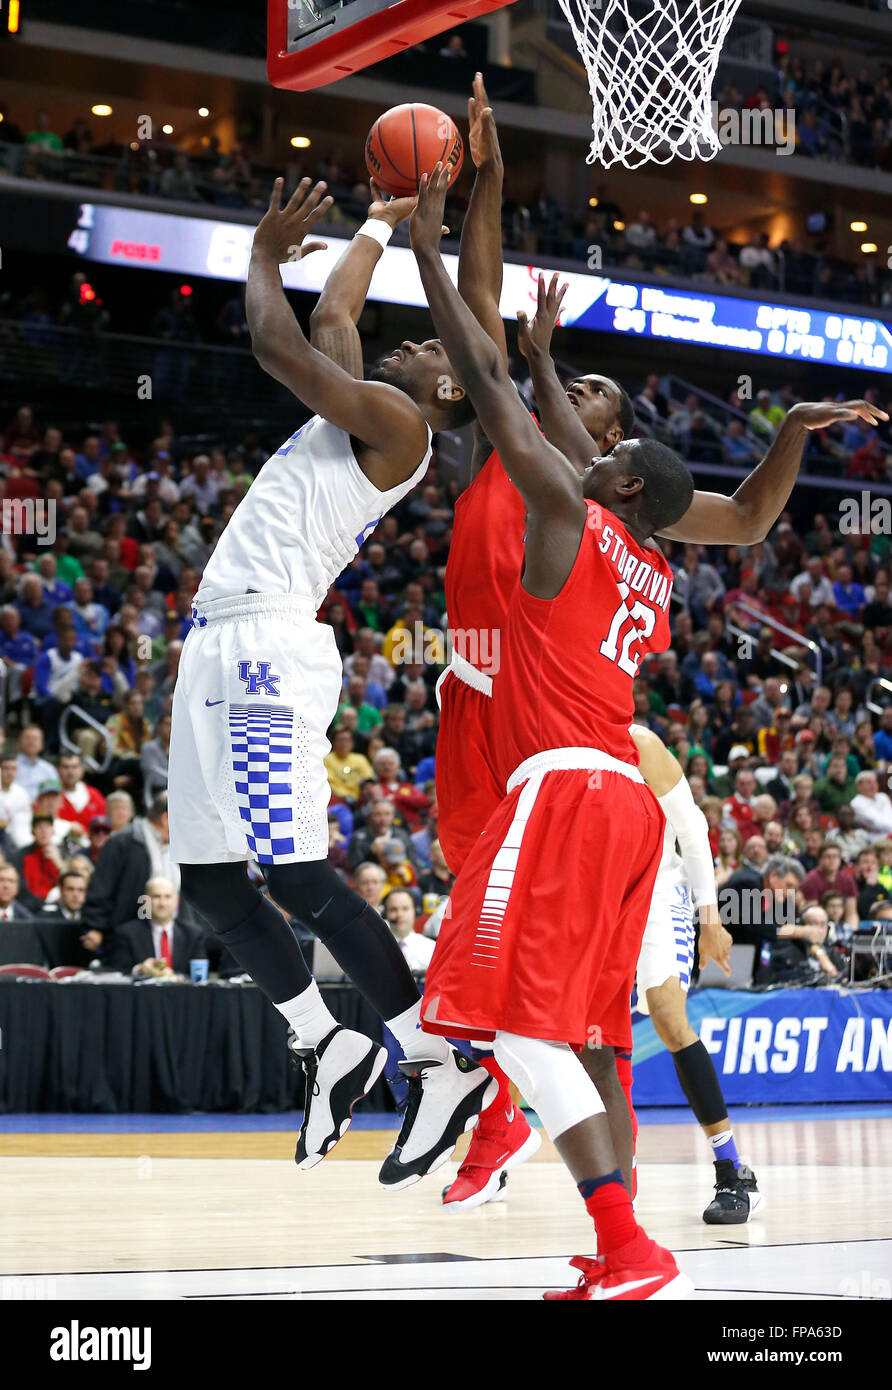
599	1062
549	1076
222	894
668	1012
315	895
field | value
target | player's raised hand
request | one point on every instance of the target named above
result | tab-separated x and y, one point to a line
534	339
391	210
282	232
483	137
427	219
715	941
818	415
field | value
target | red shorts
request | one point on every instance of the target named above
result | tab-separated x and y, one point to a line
544	928
468	787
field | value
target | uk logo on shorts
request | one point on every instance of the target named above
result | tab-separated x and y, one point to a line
259	682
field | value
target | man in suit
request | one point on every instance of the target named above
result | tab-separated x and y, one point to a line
146	944
126	862
10	909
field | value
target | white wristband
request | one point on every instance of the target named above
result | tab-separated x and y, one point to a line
378	230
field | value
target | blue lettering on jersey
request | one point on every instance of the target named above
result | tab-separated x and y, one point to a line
289	443
366	531
260	684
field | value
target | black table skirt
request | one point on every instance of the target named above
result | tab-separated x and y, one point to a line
117	1049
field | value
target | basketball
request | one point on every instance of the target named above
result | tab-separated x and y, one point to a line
408	141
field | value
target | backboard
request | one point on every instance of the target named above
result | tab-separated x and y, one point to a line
314	42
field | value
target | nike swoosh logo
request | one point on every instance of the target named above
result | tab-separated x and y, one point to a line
314	915
616	1290
210	703
509	1114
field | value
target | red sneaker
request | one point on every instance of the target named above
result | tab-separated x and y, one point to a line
593	1271
501	1141
653	1275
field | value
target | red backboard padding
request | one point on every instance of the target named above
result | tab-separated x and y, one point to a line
348	48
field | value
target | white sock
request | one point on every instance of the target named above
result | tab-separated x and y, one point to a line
417	1046
308	1016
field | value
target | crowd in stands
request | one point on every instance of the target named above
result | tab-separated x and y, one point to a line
786	739
539	225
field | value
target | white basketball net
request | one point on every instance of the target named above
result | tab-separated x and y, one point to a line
651	68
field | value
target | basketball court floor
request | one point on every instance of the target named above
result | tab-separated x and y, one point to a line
212	1207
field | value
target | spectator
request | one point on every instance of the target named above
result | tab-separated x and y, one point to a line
766	418
99	830
41	861
381	824
42	137
836	788
454	48
347	769
160	942
399	913
830	877
11	910
154	760
847	836
758	264
31	768
730	853
847	595
130	858
408	800
177	181
781	786
867	881
369	880
34	608
55	682
15	805
72	890
437	880
872	808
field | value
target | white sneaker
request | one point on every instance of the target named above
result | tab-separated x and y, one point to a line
445	1099
339	1072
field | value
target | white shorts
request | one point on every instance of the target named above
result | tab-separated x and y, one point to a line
258	686
667	949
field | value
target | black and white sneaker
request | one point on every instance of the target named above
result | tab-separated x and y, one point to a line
338	1073
737	1197
445	1099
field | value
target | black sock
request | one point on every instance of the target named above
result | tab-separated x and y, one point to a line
699	1080
358	938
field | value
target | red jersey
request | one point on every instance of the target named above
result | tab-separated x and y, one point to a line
568	663
485	560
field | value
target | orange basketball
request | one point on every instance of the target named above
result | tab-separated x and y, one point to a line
408	141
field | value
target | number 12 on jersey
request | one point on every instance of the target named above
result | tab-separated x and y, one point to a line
639	622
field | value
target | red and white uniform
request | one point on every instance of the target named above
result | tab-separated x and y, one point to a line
485	562
544	927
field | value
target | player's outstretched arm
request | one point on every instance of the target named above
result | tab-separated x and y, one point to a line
384	420
333	322
749	515
480	257
560	422
663	775
546	481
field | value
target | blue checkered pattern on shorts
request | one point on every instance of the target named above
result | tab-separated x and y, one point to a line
683	930
261	739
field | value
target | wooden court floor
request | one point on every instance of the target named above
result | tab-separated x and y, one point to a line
217	1215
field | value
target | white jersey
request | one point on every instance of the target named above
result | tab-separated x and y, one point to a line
303	519
671	868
